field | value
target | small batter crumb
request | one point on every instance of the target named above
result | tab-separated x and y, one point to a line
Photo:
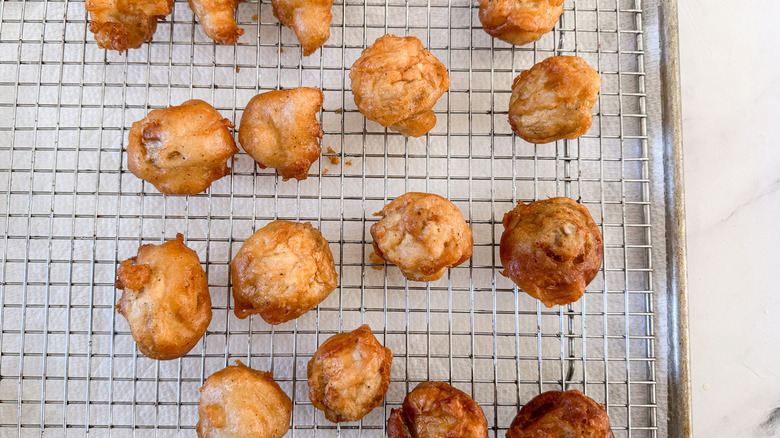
348	162
254	17
339	111
238	69
324	171
333	160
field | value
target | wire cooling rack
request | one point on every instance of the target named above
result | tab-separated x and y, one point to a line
72	211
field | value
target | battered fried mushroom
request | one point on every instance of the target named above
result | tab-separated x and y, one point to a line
519	22
125	24
165	299
553	100
552	249
279	129
561	414
218	19
310	19
182	149
349	375
423	234
282	271
238	402
437	410
396	83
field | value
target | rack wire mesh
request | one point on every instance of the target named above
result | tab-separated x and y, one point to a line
72	211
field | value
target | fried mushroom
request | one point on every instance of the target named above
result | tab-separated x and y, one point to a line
437	410
553	100
423	234
238	402
349	375
279	129
552	249
218	19
396	83
282	271
519	22
182	149
561	414
310	19
165	299
125	24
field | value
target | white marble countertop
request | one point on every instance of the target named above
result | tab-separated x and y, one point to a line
730	67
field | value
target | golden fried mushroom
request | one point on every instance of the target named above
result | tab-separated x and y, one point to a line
238	402
519	22
125	24
552	249
181	150
396	82
218	19
553	100
310	19
279	129
561	414
437	410
423	234
349	375
282	271
165	299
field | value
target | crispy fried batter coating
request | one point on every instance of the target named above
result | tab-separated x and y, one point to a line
218	18
349	375
165	299
181	150
125	24
561	414
553	100
396	82
279	129
423	234
282	271
552	249
519	22
310	19
239	402
437	410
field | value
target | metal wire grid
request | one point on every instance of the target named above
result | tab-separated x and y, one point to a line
72	212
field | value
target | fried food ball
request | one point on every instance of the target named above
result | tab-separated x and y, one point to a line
165	299
279	129
437	410
423	234
561	414
238	402
519	22
181	150
349	375
552	249
125	24
218	19
396	83
310	19
553	100
282	271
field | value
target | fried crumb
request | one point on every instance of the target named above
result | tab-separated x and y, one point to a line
330	150
339	110
325	171
348	162
238	69
333	160
254	17
281	50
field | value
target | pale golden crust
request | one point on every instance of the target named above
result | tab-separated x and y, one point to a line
239	402
552	249
182	149
310	19
396	82
423	234
282	271
349	375
561	414
437	410
165	299
519	22
553	100
125	24
218	19
279	129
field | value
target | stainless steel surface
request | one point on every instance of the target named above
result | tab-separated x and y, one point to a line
72	211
